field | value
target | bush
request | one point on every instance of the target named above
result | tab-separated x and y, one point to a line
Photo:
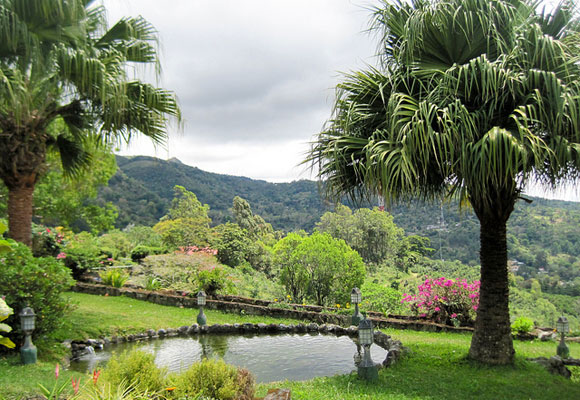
34	282
522	325
377	297
114	277
214	379
137	368
213	280
140	252
452	302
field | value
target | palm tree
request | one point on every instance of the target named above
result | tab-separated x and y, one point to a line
67	81
474	99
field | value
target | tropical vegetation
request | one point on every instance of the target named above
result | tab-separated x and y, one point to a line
66	88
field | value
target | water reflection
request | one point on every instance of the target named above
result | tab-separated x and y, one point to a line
268	357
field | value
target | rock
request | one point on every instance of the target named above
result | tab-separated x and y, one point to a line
272	328
301	328
323	328
545	336
554	365
278	394
183	330
312	327
247	327
151	333
352	331
161	332
262	327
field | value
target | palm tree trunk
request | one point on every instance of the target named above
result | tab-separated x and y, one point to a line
492	341
20	211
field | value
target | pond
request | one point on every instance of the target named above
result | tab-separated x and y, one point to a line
269	357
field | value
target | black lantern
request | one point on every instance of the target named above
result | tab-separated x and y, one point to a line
563	327
367	368
201	318
28	350
356	299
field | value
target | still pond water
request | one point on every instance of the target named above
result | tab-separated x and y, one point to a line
269	357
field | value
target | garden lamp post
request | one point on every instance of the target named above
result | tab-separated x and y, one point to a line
201	318
367	368
563	328
28	350
356	298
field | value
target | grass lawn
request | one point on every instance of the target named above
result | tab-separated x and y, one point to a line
435	368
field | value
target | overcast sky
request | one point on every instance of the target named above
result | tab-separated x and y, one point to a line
255	78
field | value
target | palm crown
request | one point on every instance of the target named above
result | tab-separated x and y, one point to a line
59	61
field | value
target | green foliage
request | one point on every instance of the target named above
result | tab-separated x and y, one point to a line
212	281
136	367
522	325
5	312
152	283
46	242
378	297
186	223
117	244
114	277
140	252
143	236
319	268
214	379
83	253
4	244
232	244
372	233
34	282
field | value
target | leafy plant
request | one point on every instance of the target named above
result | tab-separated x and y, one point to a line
377	297
522	325
35	282
5	312
212	281
136	368
114	277
4	244
152	283
214	379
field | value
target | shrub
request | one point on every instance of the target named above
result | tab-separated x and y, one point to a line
152	283
114	277
214	379
137	368
377	297
46	242
5	312
35	282
522	325
448	301
213	280
140	252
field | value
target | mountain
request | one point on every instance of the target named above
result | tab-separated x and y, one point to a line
142	189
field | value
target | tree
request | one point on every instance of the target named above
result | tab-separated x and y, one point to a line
372	233
59	63
187	221
474	99
319	267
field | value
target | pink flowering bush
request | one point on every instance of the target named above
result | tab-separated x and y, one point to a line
448	301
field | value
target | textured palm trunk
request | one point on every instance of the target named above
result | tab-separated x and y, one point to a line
492	341
20	211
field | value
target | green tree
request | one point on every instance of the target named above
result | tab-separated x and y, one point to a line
187	221
232	244
475	99
60	63
320	268
372	233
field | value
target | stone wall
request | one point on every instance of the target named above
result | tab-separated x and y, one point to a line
238	304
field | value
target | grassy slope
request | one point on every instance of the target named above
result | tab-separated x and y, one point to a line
435	368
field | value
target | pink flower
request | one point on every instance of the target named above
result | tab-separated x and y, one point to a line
453	315
437	309
61	255
56	371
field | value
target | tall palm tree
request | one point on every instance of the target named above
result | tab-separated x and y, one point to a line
60	62
475	99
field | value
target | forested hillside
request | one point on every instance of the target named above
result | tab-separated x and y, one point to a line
543	237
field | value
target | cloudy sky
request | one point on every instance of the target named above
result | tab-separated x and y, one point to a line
255	78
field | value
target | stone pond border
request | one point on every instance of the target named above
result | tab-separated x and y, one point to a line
394	348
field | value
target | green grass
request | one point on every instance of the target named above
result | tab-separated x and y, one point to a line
434	369
94	316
